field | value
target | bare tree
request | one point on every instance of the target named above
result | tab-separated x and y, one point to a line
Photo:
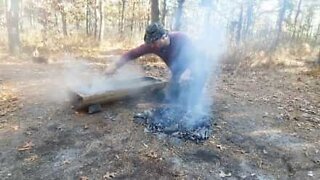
179	15
101	22
96	19
249	18
164	12
87	17
122	16
316	36
296	19
308	25
240	21
132	18
12	16
318	61
283	7
155	13
63	17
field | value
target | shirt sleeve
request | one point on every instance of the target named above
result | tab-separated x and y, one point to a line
135	53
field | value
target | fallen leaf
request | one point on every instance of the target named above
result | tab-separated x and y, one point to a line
145	145
109	175
15	127
223	174
84	178
179	173
219	146
66	162
310	173
152	155
26	146
28	133
31	158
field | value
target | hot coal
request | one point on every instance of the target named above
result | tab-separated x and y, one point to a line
176	122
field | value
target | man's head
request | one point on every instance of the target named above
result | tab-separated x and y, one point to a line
156	36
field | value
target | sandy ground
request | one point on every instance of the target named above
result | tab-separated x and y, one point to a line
267	126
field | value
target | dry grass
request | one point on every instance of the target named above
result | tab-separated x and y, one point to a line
77	45
314	72
301	57
8	100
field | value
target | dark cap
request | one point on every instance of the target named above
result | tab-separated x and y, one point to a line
154	32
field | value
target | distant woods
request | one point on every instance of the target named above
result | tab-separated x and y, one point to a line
273	22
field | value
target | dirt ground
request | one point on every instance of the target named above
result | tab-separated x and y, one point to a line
267	126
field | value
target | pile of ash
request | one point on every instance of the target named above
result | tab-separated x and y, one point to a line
176	122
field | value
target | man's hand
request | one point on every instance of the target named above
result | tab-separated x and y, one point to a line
111	69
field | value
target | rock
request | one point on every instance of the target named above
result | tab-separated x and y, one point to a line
95	108
175	141
161	136
110	116
310	173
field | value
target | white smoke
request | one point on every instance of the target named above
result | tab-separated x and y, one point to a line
209	45
87	78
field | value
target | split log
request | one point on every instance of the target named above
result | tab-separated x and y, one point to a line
146	84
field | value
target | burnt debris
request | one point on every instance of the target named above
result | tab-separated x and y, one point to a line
95	108
176	122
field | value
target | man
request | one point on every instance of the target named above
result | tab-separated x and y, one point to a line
174	48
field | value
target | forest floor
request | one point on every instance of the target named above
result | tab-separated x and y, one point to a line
267	126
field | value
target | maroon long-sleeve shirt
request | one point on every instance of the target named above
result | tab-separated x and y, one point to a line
177	56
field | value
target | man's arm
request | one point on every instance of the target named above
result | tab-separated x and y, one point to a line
133	54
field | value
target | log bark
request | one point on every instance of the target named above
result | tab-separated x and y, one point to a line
81	100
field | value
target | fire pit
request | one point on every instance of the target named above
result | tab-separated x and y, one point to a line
176	122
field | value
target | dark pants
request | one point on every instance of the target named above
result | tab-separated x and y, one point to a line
188	94
174	88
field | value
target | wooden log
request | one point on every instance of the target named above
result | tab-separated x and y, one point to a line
147	84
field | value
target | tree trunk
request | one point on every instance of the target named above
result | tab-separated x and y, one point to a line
122	17
296	19
30	16
64	23
31	19
119	19
318	61
317	35
87	18
95	20
155	13
282	12
299	31
63	18
177	26
12	7
239	30
56	21
249	18
101	29
132	19
21	23
164	12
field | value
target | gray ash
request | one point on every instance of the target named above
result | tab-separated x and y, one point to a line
176	122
